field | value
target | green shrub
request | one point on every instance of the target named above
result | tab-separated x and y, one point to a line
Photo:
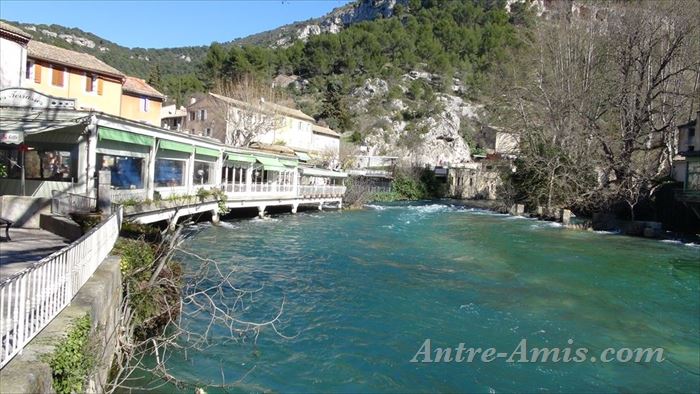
73	359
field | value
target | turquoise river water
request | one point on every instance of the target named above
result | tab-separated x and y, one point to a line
364	289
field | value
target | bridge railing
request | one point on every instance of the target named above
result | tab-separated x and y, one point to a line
31	298
321	191
65	203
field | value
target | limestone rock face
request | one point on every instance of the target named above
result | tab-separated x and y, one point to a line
432	140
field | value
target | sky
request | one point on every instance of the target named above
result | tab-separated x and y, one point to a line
165	24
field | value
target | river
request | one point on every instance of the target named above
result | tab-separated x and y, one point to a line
364	289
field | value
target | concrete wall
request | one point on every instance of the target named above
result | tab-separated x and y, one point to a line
24	211
100	297
323	143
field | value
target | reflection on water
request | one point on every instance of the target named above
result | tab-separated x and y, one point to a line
364	289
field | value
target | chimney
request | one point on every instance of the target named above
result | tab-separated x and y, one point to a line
192	100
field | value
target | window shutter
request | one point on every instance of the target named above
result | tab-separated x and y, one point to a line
88	83
37	73
57	76
100	86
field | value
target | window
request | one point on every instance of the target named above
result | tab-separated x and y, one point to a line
57	76
169	173
38	164
203	114
126	171
144	104
207	132
193	115
691	148
691	132
203	172
90	83
29	72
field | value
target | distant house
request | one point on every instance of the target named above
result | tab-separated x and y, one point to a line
172	117
689	167
13	47
61	72
141	102
219	117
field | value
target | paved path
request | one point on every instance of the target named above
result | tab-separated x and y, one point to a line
27	246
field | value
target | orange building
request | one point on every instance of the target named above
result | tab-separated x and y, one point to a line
141	102
64	73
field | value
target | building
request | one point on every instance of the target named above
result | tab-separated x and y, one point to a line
239	123
689	149
172	117
13	62
141	102
59	72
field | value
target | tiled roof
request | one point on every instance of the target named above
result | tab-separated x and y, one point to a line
271	107
139	86
324	130
289	111
66	57
14	30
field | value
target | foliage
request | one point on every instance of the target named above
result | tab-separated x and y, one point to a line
217	194
3	170
73	359
417	184
386	197
86	221
136	256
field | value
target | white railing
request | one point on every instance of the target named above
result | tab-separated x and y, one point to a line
65	203
31	298
321	191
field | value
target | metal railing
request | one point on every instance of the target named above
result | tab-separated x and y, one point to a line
321	191
65	203
31	298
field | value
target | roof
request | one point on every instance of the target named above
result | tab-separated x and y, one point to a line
324	130
271	107
139	86
289	111
279	149
66	57
6	27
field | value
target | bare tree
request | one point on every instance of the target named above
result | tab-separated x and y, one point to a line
209	293
597	112
249	109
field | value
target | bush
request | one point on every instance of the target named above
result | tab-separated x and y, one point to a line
73	359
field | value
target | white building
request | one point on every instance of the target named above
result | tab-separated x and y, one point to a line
13	55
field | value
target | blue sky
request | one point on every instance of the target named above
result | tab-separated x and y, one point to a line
163	24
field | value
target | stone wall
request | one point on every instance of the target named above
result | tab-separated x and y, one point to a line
100	297
473	181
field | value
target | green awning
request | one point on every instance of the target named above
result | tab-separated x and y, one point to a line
239	157
271	164
289	162
106	133
303	156
206	151
176	146
322	172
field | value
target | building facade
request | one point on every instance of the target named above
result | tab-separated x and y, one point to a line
64	73
13	62
141	102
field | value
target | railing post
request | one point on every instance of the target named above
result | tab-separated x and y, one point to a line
104	192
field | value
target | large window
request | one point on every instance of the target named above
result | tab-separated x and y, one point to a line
39	164
203	173
127	172
169	173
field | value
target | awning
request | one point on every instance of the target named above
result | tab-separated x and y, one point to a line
322	172
18	123
289	162
271	164
230	156
176	146
106	133
303	156
206	151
